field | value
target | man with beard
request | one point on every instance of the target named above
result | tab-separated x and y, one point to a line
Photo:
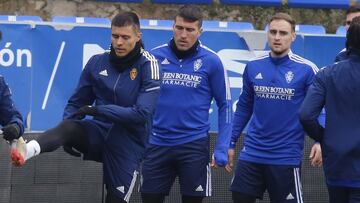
119	89
274	86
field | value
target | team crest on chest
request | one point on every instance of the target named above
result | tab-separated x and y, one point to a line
197	64
133	73
289	76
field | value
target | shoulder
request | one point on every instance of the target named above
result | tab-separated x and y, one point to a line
147	56
209	54
342	55
260	58
160	50
149	62
303	62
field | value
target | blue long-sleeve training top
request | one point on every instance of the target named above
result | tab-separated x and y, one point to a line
187	90
273	90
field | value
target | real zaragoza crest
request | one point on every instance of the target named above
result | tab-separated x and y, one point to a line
289	76
133	74
197	64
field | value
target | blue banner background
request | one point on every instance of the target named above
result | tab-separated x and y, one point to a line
66	51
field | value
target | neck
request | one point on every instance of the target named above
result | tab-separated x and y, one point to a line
122	63
279	55
183	54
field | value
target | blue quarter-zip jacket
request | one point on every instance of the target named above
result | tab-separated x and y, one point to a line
8	113
337	87
127	99
187	90
273	90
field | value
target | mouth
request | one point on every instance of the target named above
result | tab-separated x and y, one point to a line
182	43
117	50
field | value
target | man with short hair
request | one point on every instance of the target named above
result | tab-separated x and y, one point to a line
351	13
274	86
10	117
122	85
338	87
179	144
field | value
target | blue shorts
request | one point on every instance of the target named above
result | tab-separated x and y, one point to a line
282	182
107	146
189	161
343	194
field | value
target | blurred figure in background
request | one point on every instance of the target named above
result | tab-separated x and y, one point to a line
351	13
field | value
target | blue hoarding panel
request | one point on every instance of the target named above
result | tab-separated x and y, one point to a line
42	64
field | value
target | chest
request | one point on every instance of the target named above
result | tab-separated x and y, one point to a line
117	87
185	74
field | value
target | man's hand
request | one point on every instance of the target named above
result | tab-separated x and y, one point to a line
83	111
229	166
315	155
11	132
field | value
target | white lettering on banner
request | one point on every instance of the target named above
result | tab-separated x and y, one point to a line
90	50
235	60
7	56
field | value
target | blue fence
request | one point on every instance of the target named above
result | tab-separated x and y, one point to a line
42	63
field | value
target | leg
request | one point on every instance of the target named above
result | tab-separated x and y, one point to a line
111	198
249	182
66	132
152	198
338	194
283	183
191	199
243	198
192	161
158	173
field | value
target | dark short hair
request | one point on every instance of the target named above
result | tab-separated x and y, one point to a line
353	9
353	34
125	19
286	17
191	13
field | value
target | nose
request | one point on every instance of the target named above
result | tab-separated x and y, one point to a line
119	41
183	34
277	36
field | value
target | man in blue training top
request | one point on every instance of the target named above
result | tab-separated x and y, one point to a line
123	85
338	87
351	13
179	144
274	86
10	117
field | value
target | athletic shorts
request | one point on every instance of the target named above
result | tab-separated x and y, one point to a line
120	172
189	161
281	181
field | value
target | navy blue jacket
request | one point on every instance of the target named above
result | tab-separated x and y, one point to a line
337	87
8	113
127	99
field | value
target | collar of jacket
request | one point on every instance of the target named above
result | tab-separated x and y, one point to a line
280	60
123	63
184	54
354	52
